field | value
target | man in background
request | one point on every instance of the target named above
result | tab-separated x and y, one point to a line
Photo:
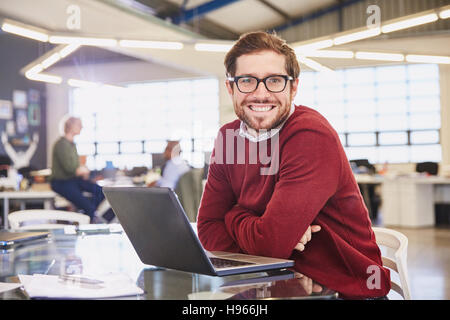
70	179
174	167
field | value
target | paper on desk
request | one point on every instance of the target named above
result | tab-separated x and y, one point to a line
6	286
50	286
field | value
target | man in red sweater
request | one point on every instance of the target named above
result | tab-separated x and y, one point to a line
280	172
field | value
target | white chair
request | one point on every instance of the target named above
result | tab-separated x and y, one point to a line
46	219
397	242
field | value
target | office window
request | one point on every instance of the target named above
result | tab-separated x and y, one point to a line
384	114
126	125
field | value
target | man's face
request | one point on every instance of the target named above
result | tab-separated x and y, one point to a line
262	109
77	127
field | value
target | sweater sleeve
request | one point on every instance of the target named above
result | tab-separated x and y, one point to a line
310	165
218	198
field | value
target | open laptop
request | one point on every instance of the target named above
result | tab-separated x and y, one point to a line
162	235
8	239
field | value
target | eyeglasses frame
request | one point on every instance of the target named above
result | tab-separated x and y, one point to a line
285	77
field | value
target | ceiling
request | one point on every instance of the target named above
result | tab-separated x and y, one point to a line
227	19
197	19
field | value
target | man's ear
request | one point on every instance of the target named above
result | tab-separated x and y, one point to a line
294	87
229	85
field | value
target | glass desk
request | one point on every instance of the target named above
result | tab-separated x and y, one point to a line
100	254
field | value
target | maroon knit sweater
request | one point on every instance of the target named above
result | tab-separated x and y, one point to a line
245	211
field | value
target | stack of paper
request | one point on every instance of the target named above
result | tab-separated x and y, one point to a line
108	286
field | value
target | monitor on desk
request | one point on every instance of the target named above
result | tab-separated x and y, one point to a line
158	160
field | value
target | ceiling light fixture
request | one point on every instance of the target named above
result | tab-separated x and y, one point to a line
213	47
427	59
68	50
45	78
313	64
34	70
24	32
314	46
167	45
445	14
355	36
339	54
51	60
85	41
362	55
410	22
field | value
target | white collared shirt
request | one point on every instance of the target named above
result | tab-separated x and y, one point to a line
263	134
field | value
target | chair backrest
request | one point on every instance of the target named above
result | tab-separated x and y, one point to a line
46	219
397	242
189	190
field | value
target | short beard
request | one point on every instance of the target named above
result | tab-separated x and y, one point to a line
244	117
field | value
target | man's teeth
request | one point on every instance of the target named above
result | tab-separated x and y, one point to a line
261	109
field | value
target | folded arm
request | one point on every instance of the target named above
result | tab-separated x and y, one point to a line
309	173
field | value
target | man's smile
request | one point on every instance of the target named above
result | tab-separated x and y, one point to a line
261	107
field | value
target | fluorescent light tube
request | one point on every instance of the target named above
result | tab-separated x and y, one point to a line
355	36
151	44
314	46
213	47
408	23
68	50
100	42
427	59
445	14
24	32
34	70
330	54
51	60
379	56
313	64
82	83
45	78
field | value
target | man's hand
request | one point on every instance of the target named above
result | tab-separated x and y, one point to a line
83	172
308	284
307	237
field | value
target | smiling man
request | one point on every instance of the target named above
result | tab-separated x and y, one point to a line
243	210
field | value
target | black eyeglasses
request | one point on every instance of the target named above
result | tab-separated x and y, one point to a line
248	84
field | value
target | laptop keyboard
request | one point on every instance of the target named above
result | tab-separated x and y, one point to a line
225	263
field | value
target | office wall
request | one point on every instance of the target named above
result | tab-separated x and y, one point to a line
15	53
58	96
444	75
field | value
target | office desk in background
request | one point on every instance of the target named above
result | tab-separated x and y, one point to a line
113	253
24	196
408	201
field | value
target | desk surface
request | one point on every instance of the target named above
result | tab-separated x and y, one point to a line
113	253
27	194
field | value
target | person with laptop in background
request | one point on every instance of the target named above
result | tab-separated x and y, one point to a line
70	179
173	168
279	173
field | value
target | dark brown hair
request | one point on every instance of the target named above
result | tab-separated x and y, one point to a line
253	42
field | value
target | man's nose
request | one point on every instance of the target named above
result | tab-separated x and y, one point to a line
261	90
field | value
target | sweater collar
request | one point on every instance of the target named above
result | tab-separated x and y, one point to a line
263	134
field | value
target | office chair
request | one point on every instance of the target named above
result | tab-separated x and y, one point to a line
189	190
45	219
428	167
399	242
